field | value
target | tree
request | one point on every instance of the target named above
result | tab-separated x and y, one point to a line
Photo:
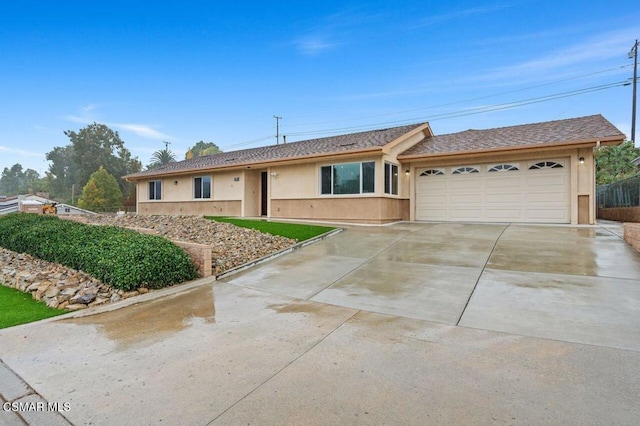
202	148
61	174
14	181
614	163
101	193
91	147
161	157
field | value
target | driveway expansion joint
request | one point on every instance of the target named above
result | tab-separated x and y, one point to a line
290	363
14	390
484	267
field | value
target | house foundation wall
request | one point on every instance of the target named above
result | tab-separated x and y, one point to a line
374	210
206	208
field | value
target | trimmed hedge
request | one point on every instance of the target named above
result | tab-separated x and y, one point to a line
120	257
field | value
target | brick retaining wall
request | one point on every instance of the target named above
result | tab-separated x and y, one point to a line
632	235
620	214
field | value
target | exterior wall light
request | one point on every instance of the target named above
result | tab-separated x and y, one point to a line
406	172
175	182
581	160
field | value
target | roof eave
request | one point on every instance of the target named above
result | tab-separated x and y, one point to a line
264	163
586	143
425	129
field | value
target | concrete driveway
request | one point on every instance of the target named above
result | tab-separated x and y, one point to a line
406	324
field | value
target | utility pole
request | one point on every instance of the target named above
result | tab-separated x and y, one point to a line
166	145
633	53
277	128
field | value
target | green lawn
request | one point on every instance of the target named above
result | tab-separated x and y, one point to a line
17	308
300	232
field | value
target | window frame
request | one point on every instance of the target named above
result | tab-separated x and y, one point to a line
201	194
432	172
503	167
156	195
329	170
465	170
391	180
546	165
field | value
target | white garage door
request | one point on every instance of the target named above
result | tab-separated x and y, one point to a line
518	191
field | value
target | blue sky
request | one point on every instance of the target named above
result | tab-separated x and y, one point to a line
220	70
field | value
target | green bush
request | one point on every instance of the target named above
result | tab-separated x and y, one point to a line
120	257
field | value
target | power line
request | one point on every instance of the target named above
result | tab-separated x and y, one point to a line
470	111
455	114
466	100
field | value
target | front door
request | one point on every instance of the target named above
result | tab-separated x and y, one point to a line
263	193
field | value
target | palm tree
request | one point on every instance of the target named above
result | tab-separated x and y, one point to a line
161	158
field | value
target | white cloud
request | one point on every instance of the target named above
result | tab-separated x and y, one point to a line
87	116
457	14
141	130
607	46
22	152
314	45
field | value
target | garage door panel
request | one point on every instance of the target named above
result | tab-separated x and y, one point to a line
545	197
515	182
459	200
433	214
501	215
503	198
546	215
539	195
465	214
545	181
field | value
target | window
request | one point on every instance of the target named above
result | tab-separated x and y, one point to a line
390	178
503	168
464	170
202	187
347	178
546	165
432	172
155	190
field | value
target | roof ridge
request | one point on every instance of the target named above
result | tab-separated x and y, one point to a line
523	125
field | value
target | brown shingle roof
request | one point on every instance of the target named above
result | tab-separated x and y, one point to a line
581	129
332	144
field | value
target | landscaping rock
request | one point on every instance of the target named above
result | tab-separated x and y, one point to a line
65	288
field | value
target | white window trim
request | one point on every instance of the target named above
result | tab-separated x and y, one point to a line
453	169
507	163
397	194
441	172
193	188
161	190
361	194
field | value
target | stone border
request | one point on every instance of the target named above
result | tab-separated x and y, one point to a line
266	258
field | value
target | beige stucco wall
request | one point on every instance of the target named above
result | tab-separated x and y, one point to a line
295	181
344	209
582	176
207	208
180	188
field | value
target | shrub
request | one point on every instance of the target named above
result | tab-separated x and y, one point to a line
120	257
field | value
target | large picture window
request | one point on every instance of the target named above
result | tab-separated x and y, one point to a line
155	190
390	178
348	178
202	187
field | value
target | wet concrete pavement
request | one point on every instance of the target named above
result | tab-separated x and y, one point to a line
407	324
